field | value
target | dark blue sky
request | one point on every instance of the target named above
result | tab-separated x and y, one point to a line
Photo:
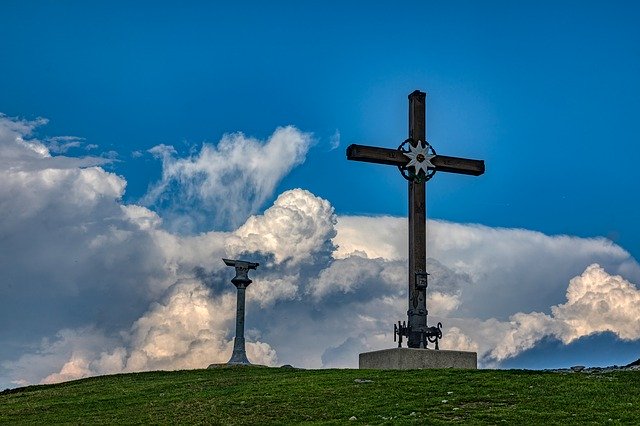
546	92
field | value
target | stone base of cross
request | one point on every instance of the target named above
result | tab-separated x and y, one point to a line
418	162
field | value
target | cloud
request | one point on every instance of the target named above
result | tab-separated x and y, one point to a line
511	270
596	302
188	330
62	228
501	291
14	131
457	340
298	225
336	356
105	279
71	256
388	242
224	184
334	140
95	286
61	357
362	277
20	151
61	144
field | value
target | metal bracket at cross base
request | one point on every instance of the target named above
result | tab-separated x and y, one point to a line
417	332
427	334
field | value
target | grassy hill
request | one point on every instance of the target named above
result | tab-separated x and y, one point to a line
255	395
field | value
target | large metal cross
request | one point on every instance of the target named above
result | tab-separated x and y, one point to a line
417	161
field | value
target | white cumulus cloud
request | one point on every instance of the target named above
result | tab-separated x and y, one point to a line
224	184
596	302
511	270
294	228
91	285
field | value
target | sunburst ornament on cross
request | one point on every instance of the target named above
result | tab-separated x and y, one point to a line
420	154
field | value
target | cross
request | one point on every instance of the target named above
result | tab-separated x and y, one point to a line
418	162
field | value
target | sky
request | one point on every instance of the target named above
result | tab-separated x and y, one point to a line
142	142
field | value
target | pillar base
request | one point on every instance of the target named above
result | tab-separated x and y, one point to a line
227	365
410	358
239	354
239	359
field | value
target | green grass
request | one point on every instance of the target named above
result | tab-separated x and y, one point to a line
254	395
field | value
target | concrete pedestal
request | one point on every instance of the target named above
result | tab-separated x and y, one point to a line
409	358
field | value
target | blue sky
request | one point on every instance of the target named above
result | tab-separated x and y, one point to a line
547	93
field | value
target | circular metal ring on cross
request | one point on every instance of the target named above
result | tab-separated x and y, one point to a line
409	173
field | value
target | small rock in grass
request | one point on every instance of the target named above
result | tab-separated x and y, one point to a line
413	413
449	393
444	401
353	418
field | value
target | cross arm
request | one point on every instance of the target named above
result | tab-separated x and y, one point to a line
393	157
465	166
373	154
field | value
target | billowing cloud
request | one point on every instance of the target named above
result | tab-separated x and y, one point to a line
99	284
63	356
511	269
297	226
224	184
188	328
596	302
70	255
388	242
91	285
358	276
507	289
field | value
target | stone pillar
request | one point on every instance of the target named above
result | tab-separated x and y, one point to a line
241	281
239	355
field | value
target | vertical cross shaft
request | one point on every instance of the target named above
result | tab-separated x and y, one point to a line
417	312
